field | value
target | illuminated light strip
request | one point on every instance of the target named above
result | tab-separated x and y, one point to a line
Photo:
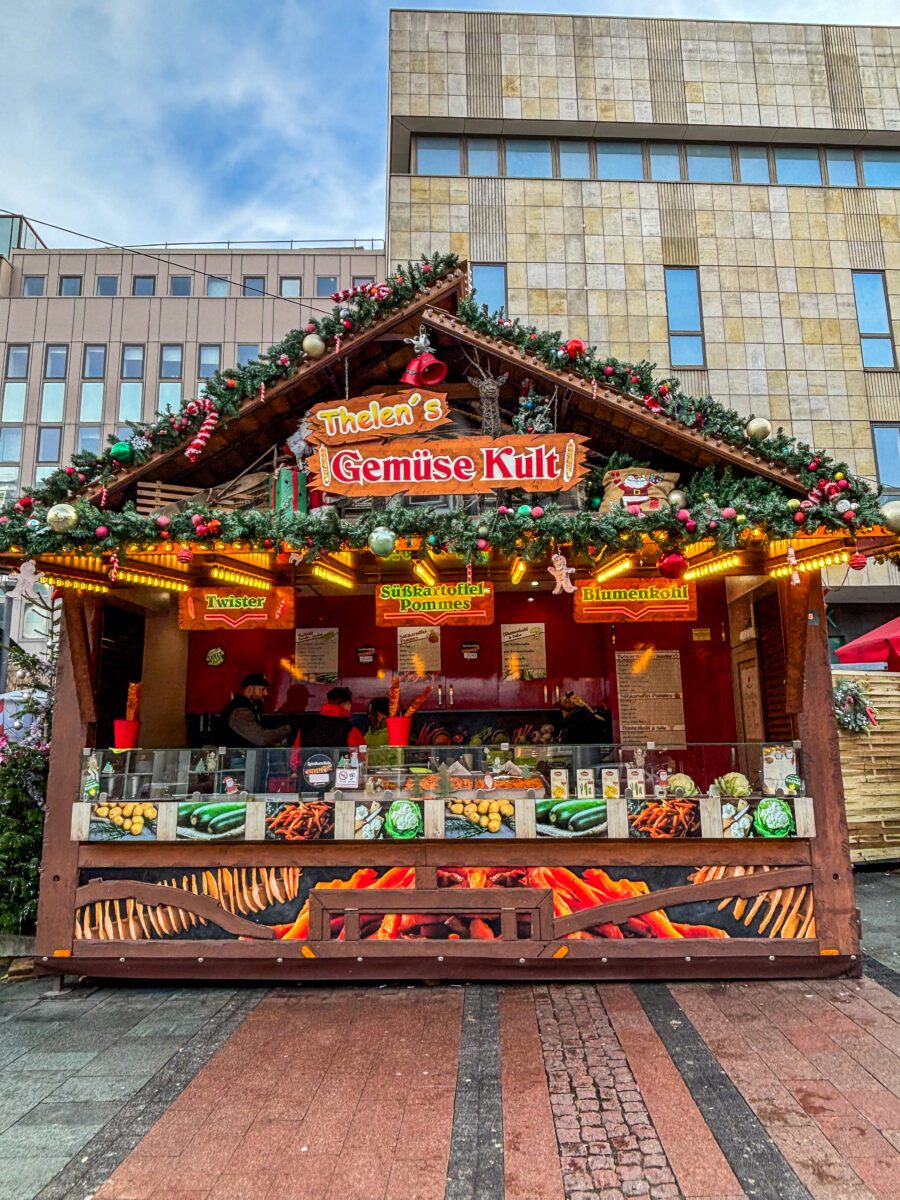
79	562
425	572
227	575
517	570
331	575
618	567
837	558
715	566
698	548
78	585
142	579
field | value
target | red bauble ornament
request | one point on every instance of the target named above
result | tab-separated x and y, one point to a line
202	530
663	389
165	534
537	512
634	379
690	526
682	515
843	484
268	543
672	565
800	518
231	384
607	371
82	478
70	470
502	510
310	328
728	513
162	521
25	502
633	510
213	526
101	531
196	519
574	347
347	324
857	562
481	543
712	525
850	516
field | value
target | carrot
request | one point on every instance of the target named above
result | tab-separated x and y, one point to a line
480	929
699	931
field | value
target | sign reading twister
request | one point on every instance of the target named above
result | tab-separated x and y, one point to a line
236	608
636	599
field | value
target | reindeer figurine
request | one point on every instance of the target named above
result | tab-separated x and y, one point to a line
489	390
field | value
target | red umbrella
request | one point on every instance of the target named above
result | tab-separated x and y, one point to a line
881	645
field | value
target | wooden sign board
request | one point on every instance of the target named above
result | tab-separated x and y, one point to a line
376	417
398	604
632	598
464	466
236	608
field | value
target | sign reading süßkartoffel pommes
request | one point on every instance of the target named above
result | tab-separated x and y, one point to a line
468	465
632	598
399	604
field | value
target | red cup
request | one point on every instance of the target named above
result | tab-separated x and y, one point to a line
398	729
126	734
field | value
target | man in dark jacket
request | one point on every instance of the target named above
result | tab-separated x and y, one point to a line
581	724
240	722
332	725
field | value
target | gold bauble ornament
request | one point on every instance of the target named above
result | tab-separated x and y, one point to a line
758	429
677	499
890	515
313	346
62	517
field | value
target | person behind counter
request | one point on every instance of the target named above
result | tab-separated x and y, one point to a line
332	726
241	720
583	725
377	734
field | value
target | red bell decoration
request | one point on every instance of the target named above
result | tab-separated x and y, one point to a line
425	370
857	561
672	566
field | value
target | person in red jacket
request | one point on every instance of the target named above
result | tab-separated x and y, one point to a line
332	725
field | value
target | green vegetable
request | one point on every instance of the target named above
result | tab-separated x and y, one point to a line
403	820
773	818
227	822
734	784
684	782
542	809
563	812
591	818
202	816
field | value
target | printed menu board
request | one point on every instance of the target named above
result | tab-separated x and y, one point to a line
651	697
418	651
316	655
524	651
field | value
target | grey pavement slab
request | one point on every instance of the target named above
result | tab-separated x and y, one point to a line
878	900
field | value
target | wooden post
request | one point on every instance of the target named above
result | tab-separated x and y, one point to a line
796	601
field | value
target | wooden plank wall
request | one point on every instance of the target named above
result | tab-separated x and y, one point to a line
871	768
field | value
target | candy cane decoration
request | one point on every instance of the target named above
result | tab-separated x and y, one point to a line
792	560
203	434
113	568
103	496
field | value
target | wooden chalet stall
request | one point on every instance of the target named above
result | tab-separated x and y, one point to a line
486	846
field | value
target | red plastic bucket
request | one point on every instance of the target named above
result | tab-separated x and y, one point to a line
126	734
398	729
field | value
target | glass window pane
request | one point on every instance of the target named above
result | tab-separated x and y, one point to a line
55	362
877	353
871	306
179	285
91	402
49	438
326	285
70	285
291	287
881	168
35	622
17	362
574	160
665	161
210	357
620	160
798	165
143	285
130	396
254	285
216	286
489	281
107	285
841	167
247	353
132	362
33	285
363	280
754	164
94	366
9	484
89	438
683	298
13	402
53	398
709	164
887	454
528	158
169	395
10	445
42	473
484	157
686	351
437	155
170	362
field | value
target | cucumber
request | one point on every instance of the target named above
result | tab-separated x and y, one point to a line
542	809
185	810
562	813
227	822
208	812
588	819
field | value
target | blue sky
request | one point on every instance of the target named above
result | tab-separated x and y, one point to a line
196	120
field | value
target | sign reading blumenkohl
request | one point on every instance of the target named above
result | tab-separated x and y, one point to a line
636	599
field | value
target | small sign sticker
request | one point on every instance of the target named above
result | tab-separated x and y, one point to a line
215	657
318	771
365	654
470	650
701	635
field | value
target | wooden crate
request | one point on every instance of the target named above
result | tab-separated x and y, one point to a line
155	497
871	768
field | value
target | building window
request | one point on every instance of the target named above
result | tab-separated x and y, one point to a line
887	455
53	400
363	280
9	484
620	160
685	325
291	287
437	155
143	285
132	362
841	164
210	359
529	158
91	408
34	285
169	395
10	444
42	473
179	285
130	401
88	438
326	285
574	160
55	362
17	362
106	285
489	281
13	402
170	362
798	165
94	365
881	168
216	285
709	164
70	285
254	285
665	162
754	164
247	352
36	620
49	440
483	156
874	320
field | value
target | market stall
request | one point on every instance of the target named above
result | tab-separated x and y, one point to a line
591	605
